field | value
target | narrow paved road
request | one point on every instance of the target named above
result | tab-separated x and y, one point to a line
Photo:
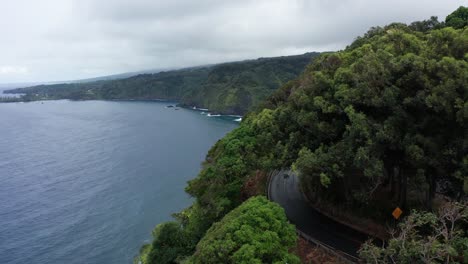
284	190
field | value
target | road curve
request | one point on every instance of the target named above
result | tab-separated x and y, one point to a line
284	190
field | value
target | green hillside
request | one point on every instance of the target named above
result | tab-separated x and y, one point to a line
229	88
369	128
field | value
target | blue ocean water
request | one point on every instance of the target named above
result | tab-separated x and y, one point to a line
86	182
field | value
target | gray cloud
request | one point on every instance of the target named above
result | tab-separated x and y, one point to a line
71	39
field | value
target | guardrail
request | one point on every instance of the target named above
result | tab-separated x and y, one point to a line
342	256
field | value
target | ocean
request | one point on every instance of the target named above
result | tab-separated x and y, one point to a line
87	181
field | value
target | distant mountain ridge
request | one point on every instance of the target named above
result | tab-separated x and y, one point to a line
15	85
117	76
229	88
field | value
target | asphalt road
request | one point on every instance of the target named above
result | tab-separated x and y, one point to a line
284	190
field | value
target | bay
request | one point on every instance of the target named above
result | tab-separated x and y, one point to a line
86	182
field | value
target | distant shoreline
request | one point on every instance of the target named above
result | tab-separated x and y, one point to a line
204	111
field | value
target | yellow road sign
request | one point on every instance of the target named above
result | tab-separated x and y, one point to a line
397	213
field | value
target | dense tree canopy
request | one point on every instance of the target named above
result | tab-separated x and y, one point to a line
458	19
255	232
385	115
169	243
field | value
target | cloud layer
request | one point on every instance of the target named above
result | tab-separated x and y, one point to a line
70	39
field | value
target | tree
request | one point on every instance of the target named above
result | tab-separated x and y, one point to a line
389	118
426	25
458	19
170	243
425	237
255	232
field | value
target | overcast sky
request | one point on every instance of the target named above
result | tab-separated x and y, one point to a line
50	40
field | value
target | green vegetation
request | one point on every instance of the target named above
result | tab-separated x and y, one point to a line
255	232
170	243
164	85
458	19
372	127
230	88
10	99
384	120
22	98
425	237
217	189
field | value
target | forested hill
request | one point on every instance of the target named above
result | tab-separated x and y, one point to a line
379	125
230	88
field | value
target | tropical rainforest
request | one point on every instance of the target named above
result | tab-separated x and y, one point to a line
380	124
228	88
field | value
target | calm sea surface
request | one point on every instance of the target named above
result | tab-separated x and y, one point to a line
86	182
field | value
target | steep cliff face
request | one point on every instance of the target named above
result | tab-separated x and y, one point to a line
233	88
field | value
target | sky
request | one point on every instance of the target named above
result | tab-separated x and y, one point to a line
53	40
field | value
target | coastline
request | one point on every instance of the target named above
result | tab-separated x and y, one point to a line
177	103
